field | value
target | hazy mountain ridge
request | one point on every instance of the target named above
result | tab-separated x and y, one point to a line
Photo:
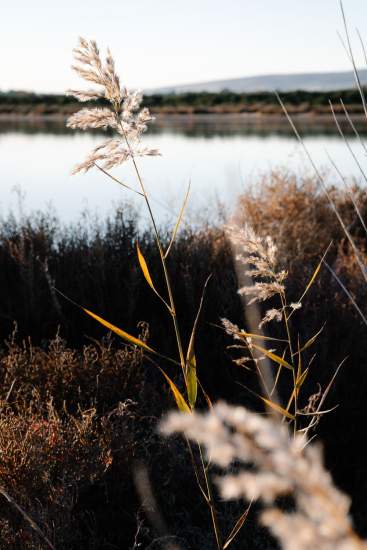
312	82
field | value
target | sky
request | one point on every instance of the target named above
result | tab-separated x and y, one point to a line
162	42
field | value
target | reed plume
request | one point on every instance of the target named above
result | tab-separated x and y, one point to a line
123	115
258	256
279	465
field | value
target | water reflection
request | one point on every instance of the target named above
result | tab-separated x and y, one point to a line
204	126
221	155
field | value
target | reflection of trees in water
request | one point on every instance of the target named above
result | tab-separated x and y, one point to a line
203	126
34	126
41	125
212	126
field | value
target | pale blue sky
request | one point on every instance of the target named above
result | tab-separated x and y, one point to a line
162	42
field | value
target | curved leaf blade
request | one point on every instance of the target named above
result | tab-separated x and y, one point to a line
179	398
190	375
273	356
277	408
310	341
124	335
244	334
144	268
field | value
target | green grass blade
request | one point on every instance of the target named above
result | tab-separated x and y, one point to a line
191	377
192	381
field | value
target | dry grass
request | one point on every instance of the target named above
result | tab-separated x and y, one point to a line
74	426
294	211
61	419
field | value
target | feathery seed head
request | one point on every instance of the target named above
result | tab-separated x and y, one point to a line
258	255
123	116
271	315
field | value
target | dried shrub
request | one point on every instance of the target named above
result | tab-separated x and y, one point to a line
65	416
297	214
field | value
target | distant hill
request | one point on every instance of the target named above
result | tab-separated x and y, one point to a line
312	82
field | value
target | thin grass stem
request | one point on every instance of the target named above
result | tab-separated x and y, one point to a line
324	187
351	56
160	248
344	288
362	45
213	510
347	143
352	125
349	191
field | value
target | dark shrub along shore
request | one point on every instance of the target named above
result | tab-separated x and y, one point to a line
298	102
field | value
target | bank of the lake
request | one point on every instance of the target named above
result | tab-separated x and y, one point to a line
297	102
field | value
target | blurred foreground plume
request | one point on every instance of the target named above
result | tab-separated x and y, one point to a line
280	465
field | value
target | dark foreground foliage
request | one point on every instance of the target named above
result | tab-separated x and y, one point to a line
79	413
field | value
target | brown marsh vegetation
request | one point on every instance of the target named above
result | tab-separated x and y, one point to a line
78	416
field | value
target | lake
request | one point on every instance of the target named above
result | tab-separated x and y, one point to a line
220	154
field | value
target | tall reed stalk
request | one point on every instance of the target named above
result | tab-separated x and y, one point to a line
128	123
263	280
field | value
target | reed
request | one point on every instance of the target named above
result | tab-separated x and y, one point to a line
266	281
128	122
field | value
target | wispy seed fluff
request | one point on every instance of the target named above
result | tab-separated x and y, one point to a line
280	465
123	115
259	257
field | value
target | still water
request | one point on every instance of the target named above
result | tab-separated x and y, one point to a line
220	155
